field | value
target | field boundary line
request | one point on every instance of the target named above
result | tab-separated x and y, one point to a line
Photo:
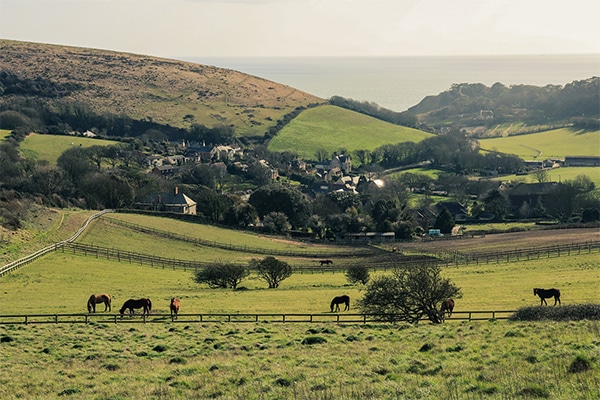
339	318
34	256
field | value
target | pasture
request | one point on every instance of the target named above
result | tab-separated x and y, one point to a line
50	147
557	175
333	128
267	360
556	143
4	133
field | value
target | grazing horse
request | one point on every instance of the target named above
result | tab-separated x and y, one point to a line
130	304
325	262
174	306
339	300
446	308
546	294
97	299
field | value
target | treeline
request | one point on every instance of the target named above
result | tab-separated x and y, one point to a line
577	102
374	110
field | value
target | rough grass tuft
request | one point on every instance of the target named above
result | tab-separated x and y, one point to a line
580	364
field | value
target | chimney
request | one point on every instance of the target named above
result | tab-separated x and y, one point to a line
176	190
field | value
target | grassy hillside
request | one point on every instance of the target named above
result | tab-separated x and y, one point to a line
334	128
4	134
558	175
50	147
146	88
557	143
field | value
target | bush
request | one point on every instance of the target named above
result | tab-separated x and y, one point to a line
221	275
561	313
358	274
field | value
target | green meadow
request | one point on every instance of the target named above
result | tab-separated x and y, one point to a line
490	359
4	134
557	175
332	128
50	147
556	143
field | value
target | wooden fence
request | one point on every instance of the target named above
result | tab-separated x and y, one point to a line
338	318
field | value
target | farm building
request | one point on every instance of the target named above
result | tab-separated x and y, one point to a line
531	194
174	201
582	161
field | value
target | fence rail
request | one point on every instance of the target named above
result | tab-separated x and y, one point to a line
32	257
339	318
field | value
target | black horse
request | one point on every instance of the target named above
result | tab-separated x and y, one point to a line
339	300
325	262
131	304
546	294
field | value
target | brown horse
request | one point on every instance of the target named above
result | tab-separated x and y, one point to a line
97	299
446	309
131	304
339	300
546	294
174	306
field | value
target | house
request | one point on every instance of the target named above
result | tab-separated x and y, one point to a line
342	162
531	194
174	201
201	153
458	211
582	161
166	171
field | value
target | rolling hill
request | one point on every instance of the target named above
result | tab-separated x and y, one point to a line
165	91
333	128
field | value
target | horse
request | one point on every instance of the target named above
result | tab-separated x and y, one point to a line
546	294
446	308
339	300
130	304
174	306
96	299
326	262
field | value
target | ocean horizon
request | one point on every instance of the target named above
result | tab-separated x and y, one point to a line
398	83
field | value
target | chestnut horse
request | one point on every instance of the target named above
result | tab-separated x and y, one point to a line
97	299
339	300
446	308
546	294
130	304
174	306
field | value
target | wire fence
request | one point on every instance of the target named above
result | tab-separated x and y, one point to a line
338	318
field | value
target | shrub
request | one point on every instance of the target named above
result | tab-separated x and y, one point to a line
580	364
313	340
221	275
561	313
358	274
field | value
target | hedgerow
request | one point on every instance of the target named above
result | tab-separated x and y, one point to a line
560	313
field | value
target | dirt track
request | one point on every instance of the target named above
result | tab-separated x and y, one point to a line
507	241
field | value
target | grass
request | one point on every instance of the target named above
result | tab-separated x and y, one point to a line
332	128
485	359
4	134
556	143
557	175
50	147
276	361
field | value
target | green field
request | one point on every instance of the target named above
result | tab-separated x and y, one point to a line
4	134
491	359
50	147
557	175
333	128
556	143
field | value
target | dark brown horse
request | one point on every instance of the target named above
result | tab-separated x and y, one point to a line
325	262
97	299
174	306
446	309
131	304
340	300
546	294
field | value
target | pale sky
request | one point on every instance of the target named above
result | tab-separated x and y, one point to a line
240	28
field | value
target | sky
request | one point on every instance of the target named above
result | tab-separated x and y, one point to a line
306	28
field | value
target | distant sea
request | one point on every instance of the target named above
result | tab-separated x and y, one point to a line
398	83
